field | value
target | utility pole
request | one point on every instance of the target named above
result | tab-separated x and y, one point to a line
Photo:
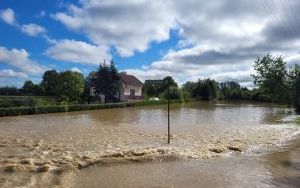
168	113
168	92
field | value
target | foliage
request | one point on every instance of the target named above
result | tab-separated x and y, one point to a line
50	81
65	86
297	120
70	86
168	81
271	77
10	91
173	94
231	90
202	89
150	89
107	81
22	101
297	88
160	89
29	88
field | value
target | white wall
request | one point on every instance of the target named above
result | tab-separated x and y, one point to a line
138	90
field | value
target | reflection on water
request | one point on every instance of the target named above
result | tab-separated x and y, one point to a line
46	150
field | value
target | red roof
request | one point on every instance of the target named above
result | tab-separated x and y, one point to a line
130	80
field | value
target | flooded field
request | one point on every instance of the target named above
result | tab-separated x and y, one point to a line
213	144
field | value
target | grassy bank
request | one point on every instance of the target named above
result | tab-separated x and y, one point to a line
297	121
26	101
30	110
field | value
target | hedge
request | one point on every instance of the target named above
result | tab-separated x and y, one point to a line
16	111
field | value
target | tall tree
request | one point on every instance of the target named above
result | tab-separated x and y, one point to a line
297	88
49	82
70	85
160	89
115	79
231	90
107	81
188	90
168	81
271	77
202	89
28	87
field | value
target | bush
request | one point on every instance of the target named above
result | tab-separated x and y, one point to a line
174	94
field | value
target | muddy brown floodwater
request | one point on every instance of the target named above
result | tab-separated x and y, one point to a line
214	144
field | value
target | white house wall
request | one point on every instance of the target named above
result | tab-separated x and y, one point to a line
138	90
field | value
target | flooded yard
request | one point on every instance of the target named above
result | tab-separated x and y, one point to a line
212	145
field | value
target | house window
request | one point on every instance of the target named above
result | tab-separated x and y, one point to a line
132	92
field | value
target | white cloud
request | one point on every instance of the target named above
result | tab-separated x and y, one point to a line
193	64
12	73
218	39
78	52
76	69
129	26
20	60
221	39
32	29
8	16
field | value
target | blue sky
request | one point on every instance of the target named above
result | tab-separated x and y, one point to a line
149	39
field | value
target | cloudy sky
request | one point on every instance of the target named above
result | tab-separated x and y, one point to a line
188	39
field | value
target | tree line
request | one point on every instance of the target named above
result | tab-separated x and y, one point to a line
273	80
66	85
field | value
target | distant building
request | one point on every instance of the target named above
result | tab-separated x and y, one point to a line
131	87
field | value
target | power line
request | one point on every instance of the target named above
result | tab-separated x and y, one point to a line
293	13
289	20
269	12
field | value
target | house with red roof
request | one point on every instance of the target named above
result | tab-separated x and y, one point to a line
131	87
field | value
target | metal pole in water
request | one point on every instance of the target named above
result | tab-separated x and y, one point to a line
168	113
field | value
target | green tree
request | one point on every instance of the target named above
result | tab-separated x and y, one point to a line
107	81
168	81
270	77
49	82
297	88
188	90
150	89
231	90
202	89
206	89
174	93
69	85
87	90
6	90
28	87
160	89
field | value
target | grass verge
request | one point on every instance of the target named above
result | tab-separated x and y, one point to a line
30	110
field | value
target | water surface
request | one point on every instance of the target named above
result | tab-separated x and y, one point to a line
128	146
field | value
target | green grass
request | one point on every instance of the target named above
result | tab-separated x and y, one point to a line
26	101
30	110
297	120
